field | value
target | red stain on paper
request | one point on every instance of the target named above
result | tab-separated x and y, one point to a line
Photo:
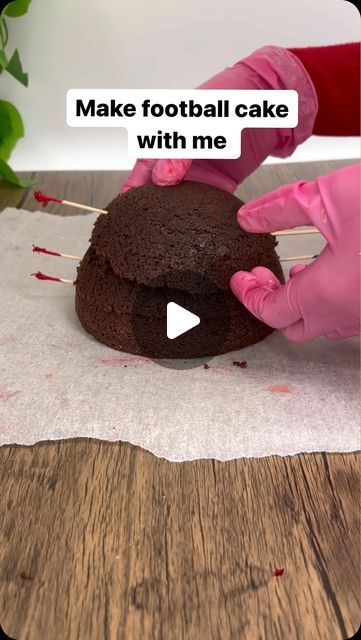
278	573
279	388
49	377
7	340
123	361
64	401
6	394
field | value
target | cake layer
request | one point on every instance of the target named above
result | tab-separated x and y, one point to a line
152	231
97	283
176	244
147	337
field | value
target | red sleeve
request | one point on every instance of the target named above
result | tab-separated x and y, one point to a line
335	73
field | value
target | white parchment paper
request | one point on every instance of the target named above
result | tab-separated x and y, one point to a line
57	382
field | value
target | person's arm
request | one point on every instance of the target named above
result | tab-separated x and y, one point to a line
327	82
335	74
268	68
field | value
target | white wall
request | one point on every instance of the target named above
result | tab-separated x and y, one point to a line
147	44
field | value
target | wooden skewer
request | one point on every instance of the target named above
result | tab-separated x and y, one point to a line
294	232
68	256
83	206
45	199
294	258
42	276
37	249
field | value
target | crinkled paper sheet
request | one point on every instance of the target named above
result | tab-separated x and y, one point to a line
57	382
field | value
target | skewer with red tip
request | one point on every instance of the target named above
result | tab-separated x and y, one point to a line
45	199
47	252
42	276
37	249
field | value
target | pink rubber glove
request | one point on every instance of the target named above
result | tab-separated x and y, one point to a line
322	298
267	68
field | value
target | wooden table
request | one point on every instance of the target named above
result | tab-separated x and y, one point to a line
104	541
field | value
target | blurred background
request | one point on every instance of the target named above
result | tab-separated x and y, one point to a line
141	44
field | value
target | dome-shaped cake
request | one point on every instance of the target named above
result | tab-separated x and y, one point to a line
180	243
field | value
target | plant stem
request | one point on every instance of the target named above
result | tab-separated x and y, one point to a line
4	35
6	32
1	35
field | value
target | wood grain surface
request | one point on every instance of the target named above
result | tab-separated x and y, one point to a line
104	541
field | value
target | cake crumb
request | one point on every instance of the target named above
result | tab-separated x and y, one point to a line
242	365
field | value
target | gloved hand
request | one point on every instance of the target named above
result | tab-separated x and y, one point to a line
322	298
267	68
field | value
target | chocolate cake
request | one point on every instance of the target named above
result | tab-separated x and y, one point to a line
162	244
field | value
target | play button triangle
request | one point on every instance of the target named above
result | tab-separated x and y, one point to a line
179	320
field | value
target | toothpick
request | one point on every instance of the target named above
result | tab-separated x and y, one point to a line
45	199
68	256
41	276
295	232
37	249
296	258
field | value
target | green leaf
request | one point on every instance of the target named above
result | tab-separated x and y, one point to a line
11	128
3	59
16	8
6	173
14	67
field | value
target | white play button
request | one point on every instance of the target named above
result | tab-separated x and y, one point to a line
179	320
